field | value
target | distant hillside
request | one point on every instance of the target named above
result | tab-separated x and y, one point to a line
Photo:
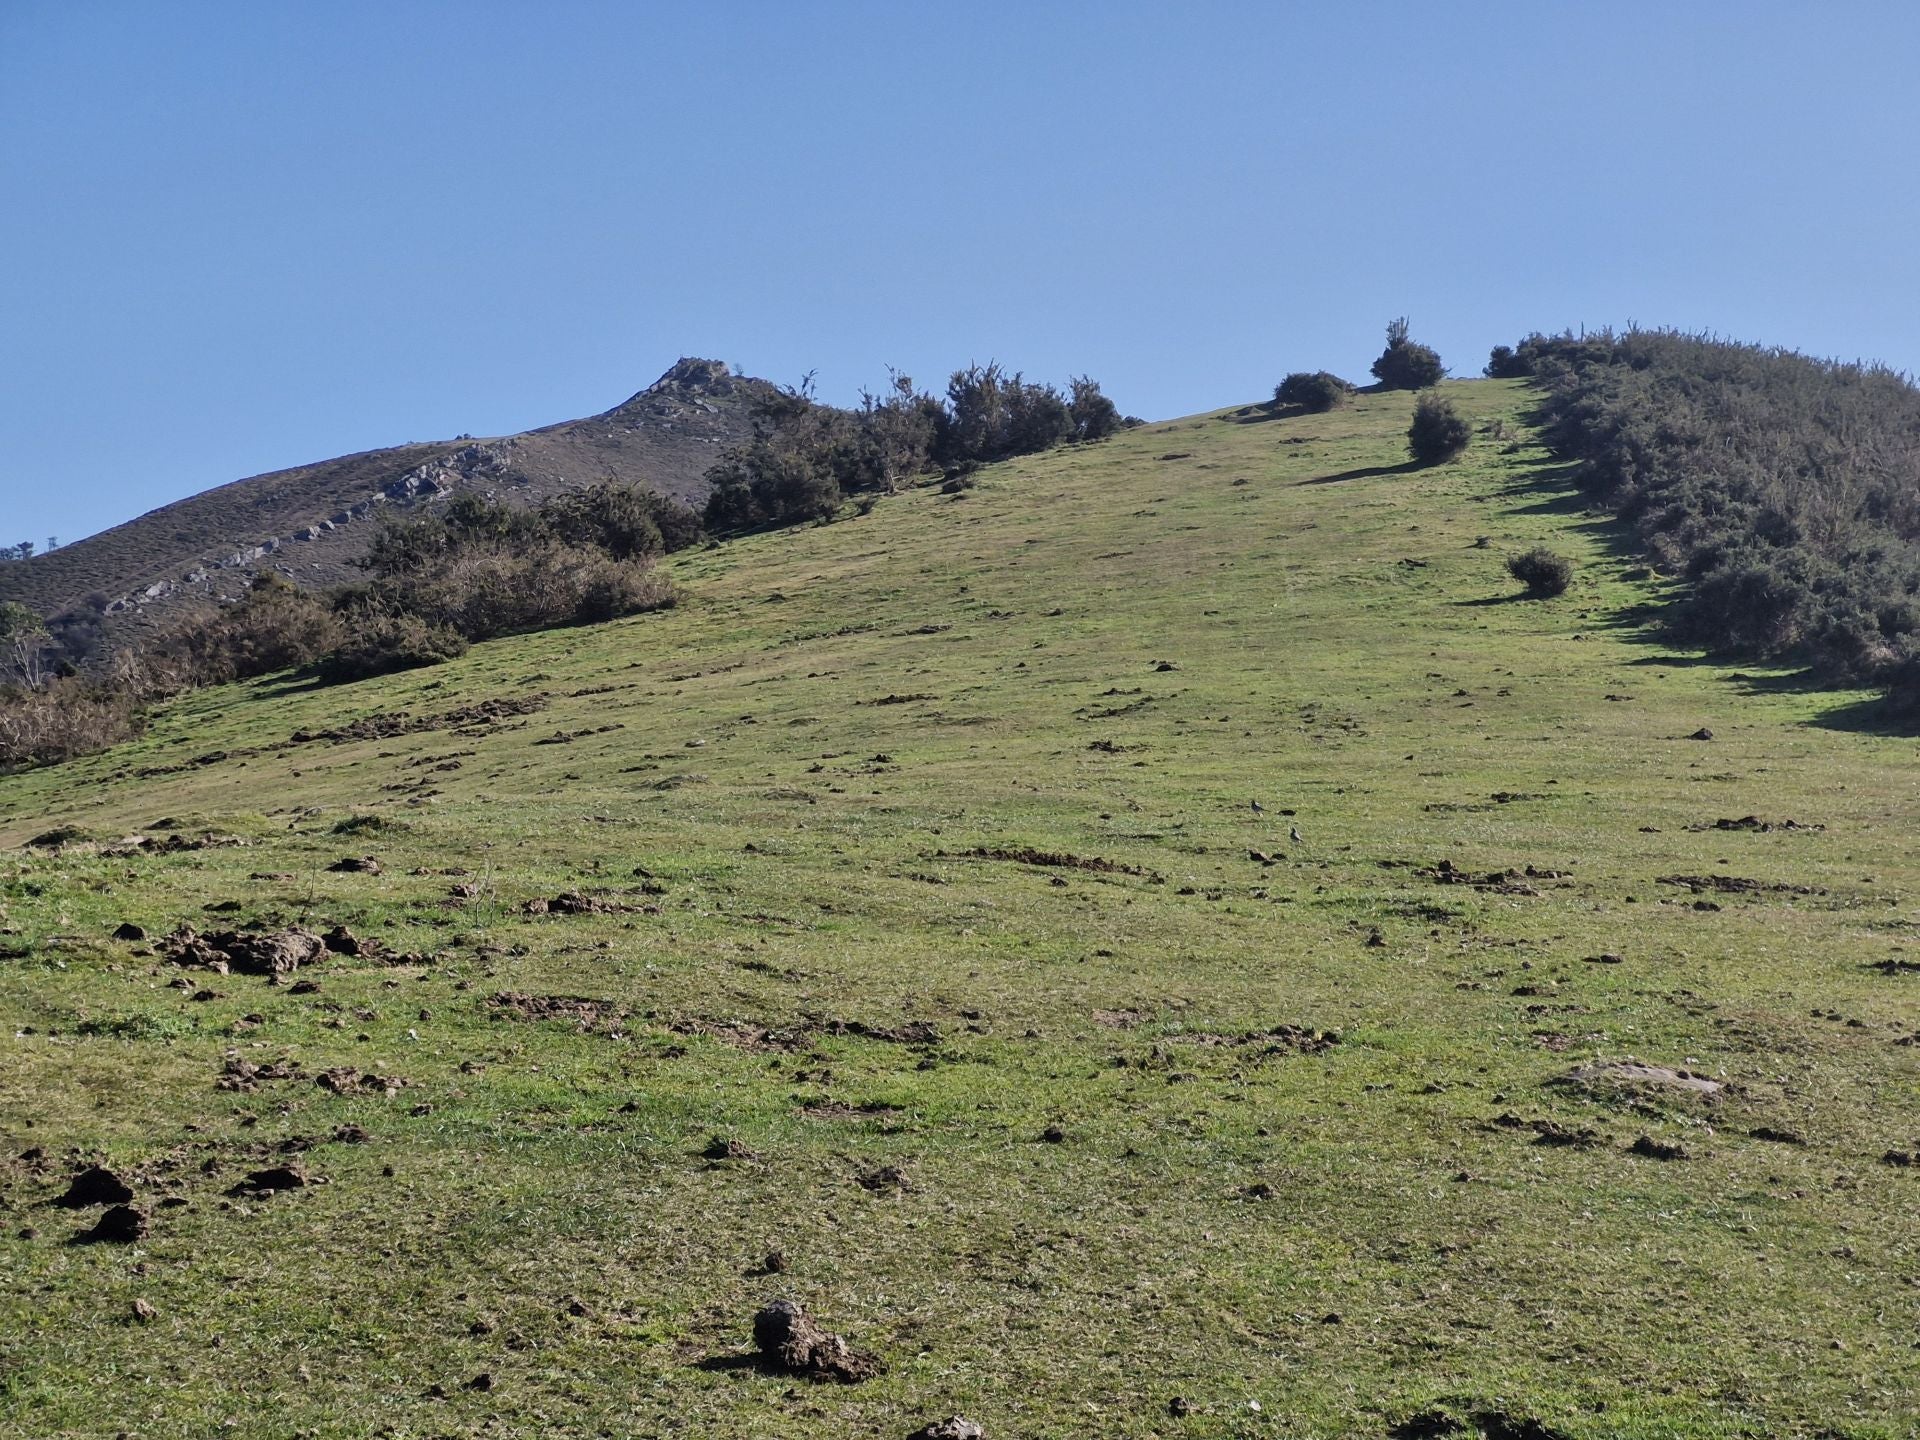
309	523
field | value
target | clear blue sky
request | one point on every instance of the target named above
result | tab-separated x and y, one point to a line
240	236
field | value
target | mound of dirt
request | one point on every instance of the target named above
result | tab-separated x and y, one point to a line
573	902
1053	859
790	1342
1735	885
1630	1074
245	952
954	1427
122	1225
345	1080
580	1010
243	1076
95	1185
390	726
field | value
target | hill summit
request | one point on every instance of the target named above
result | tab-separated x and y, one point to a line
310	523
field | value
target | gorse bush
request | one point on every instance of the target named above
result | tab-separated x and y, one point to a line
1785	490
390	643
1315	391
1438	432
1544	573
1406	364
805	459
1505	363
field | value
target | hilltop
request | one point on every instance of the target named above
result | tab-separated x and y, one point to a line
890	927
311	522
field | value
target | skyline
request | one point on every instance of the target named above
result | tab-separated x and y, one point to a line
247	240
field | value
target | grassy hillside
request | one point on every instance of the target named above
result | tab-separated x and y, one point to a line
1183	1142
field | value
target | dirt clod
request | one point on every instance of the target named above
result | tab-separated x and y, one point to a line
95	1185
247	952
789	1341
356	865
954	1427
122	1225
1651	1149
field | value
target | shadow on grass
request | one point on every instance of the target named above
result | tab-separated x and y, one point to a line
1366	473
1549	489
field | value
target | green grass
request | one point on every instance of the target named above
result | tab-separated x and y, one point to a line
1343	650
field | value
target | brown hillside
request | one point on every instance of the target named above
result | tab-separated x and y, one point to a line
309	523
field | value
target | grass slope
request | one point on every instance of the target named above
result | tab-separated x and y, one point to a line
1345	1235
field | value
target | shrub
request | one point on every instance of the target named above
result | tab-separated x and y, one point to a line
64	718
1438	432
1544	573
1406	364
1505	363
391	643
1094	416
1314	391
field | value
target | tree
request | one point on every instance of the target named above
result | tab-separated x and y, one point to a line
23	646
1438	433
1094	416
1406	364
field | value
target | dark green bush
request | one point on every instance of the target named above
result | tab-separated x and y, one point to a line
1406	364
1785	489
1507	364
391	643
1315	391
1438	432
1544	573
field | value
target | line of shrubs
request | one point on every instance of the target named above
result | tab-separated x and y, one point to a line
1784	489
805	459
469	570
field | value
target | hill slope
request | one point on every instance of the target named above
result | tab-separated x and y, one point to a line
925	856
311	522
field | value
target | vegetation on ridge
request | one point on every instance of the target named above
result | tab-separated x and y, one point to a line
882	929
1784	491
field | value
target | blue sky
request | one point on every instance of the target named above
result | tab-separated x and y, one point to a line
241	236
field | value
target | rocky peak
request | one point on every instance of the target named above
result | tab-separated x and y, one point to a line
693	376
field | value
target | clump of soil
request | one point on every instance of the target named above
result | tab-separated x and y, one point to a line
1280	1040
59	836
345	1080
1053	859
1498	882
242	1076
1756	825
790	1342
579	1009
954	1427
1651	1149
356	865
1631	1074
1736	885
573	902
170	844
389	726
259	1184
884	1180
95	1185
247	952
122	1225
1552	1132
